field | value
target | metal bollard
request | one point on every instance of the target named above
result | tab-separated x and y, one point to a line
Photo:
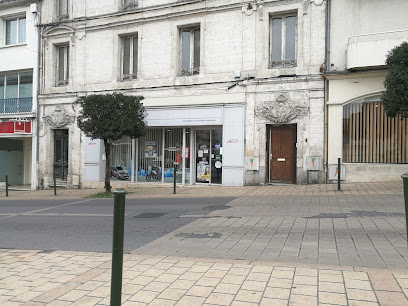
117	246
405	181
339	174
174	183
55	183
6	185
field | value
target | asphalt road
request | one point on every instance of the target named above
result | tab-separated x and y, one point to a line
86	225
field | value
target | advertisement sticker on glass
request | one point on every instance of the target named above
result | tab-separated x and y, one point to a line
150	149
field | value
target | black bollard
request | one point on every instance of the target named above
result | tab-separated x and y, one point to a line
405	181
6	185
55	183
174	183
117	246
339	174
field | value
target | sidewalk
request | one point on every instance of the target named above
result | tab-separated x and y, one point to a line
152	190
77	278
270	245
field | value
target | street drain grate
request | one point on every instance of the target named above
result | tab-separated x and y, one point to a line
149	215
356	214
199	236
216	207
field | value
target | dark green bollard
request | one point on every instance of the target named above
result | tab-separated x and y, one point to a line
339	174
6	185
405	180
117	246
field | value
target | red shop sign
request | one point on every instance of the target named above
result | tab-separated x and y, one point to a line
15	127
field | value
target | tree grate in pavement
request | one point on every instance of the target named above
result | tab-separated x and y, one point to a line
199	236
356	214
149	215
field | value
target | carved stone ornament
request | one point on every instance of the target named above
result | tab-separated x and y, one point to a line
282	111
59	118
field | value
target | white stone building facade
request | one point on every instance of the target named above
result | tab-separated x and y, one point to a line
233	91
372	147
19	75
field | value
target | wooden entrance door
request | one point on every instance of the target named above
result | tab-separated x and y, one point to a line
282	154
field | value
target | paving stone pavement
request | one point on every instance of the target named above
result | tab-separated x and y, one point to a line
79	278
272	245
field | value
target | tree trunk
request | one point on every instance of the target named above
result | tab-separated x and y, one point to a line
108	187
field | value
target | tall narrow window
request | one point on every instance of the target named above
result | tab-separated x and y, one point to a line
16	31
190	51
63	8
283	41
62	65
129	57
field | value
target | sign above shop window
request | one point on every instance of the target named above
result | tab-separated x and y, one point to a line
15	127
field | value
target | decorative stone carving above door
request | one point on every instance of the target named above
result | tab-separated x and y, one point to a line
281	111
59	118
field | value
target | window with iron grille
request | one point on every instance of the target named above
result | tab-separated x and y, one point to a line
129	57
190	51
283	41
62	64
15	31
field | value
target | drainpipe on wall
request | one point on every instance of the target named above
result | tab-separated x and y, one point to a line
326	91
38	93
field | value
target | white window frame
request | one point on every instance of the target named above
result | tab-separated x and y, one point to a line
132	74
283	63
17	31
66	65
130	4
59	4
191	66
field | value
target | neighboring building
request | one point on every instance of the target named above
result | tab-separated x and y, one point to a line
372	146
233	90
19	55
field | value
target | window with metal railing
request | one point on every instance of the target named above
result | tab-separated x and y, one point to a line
283	41
16	92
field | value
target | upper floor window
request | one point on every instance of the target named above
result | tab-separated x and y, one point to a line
190	51
63	8
62	65
16	92
129	57
130	3
16	85
283	41
15	31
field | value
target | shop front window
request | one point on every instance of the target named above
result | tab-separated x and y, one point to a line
150	168
370	136
209	156
121	160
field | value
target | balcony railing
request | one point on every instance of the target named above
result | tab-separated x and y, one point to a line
16	105
371	49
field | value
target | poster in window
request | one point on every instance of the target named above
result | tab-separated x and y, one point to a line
203	172
150	149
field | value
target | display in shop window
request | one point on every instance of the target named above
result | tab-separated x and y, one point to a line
150	149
